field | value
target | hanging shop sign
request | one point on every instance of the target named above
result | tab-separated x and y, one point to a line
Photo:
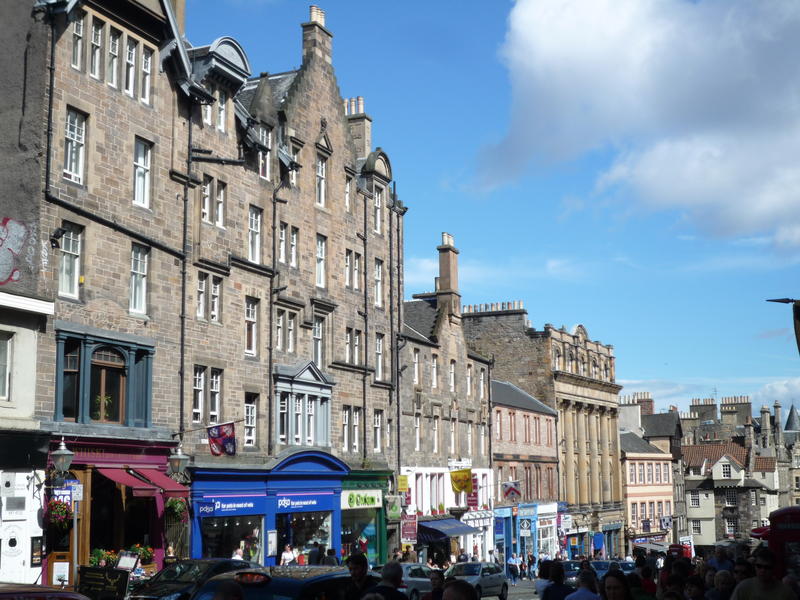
402	483
394	508
524	528
361	499
472	497
408	528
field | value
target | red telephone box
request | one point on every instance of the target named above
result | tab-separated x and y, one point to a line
680	551
783	539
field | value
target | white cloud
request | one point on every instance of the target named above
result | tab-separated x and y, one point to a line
786	390
697	102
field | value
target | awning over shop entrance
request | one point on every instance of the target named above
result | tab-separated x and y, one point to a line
138	487
432	531
652	546
172	489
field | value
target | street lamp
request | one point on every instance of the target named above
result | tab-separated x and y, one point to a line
796	314
178	461
62	458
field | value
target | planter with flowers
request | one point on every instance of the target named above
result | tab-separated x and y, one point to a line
59	515
145	553
102	558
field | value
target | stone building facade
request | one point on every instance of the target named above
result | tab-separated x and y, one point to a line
574	375
444	412
192	247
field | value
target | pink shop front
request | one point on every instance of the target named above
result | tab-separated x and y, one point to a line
125	490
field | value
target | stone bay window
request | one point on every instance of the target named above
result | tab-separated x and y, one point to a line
303	402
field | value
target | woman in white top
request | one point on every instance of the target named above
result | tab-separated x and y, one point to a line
288	556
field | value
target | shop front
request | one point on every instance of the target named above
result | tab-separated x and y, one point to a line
479	543
364	515
118	491
442	539
229	508
613	543
504	530
547	530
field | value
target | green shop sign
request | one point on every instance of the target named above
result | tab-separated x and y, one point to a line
361	499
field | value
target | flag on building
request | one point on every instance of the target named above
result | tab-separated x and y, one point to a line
511	490
222	439
461	481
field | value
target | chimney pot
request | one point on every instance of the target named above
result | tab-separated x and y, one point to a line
317	15
360	102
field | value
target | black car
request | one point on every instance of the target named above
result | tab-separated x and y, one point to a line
273	583
179	581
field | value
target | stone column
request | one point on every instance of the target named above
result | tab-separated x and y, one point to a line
583	488
613	436
605	454
594	456
568	454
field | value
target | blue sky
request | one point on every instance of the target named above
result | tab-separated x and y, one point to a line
630	165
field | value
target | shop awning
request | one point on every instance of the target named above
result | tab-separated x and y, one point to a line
431	531
654	546
172	489
139	487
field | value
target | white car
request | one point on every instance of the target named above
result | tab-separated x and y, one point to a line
488	578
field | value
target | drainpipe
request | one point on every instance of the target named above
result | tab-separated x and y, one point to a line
185	250
365	374
52	68
395	361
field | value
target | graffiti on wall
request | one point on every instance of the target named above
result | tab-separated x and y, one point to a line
12	238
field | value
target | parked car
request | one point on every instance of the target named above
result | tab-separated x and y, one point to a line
488	578
273	583
11	591
601	567
416	579
627	566
180	580
571	568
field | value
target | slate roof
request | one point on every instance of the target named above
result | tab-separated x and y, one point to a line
247	92
764	464
507	394
661	424
695	455
699	484
420	315
793	420
280	83
632	443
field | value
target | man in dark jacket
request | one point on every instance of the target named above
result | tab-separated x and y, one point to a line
391	579
359	584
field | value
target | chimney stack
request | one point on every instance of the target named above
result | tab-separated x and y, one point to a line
360	125
447	288
766	427
778	424
317	41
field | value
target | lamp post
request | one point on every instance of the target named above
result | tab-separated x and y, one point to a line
62	461
178	461
795	313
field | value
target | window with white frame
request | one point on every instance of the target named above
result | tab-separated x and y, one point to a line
481	439
74	145
209	290
348	268
283	229
322	243
416	366
726	471
357	347
198	394
77	40
311	423
6	354
452	376
321	183
206	395
753	498
264	152
215	300
280	328
297	419
634	513
435	434
69	268
318	335
378	291
141	173
377	213
293	172
668	507
649	472
219	204
254	234
730	526
417	433
641	472
665	472
293	235
96	51
348	345
348	183
356	271
697	528
205	198
730	497
206	112
112	64
434	371
138	297
379	356
290	331
130	67
214	396
658	473
632	473
377	430
694	499
482	384
250	411
356	427
345	428
202	291
469	438
283	418
250	326
222	110
147	66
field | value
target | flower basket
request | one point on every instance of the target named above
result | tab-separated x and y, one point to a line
178	509
102	558
145	553
59	515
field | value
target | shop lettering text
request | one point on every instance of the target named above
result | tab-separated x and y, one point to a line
217	506
362	499
286	502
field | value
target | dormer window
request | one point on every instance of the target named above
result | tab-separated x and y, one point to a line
264	153
726	471
321	183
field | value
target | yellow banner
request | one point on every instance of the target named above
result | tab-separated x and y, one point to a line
402	483
461	480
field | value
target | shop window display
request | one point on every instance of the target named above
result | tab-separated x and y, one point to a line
359	533
301	530
222	536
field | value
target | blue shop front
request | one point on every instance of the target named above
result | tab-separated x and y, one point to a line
295	500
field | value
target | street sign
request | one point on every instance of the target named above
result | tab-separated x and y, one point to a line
63	494
77	490
524	528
